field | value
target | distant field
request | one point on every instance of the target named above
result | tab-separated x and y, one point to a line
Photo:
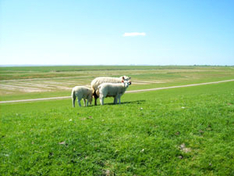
182	131
36	82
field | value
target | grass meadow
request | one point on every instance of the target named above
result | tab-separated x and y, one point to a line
181	131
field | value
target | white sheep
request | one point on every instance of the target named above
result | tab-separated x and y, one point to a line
115	90
81	92
99	80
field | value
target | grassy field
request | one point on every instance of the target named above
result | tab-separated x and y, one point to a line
182	131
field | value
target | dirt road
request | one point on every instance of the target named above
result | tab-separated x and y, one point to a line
131	91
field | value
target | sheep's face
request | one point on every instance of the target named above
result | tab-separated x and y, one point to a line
126	78
126	83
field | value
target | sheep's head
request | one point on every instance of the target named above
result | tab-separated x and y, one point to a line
125	78
126	83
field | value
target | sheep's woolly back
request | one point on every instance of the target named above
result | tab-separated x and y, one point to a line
99	80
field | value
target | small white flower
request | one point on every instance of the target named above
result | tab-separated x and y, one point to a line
183	107
62	143
142	150
70	120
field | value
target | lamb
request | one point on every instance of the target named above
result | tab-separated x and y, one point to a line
115	90
99	80
81	92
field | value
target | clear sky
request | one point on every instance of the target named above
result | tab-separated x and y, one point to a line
123	32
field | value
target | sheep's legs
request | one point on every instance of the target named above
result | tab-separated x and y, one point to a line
115	100
119	101
102	100
95	97
95	101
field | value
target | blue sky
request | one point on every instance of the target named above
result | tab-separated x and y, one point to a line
123	32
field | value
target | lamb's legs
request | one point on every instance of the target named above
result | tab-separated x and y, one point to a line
73	101
84	102
79	102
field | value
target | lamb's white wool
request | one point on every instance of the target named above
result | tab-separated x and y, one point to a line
99	80
81	92
115	90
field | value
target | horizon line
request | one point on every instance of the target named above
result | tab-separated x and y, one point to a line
45	65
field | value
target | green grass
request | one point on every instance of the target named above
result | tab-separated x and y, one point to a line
183	131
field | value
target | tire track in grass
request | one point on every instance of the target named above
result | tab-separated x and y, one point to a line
131	91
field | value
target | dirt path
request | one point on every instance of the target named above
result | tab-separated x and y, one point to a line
172	87
131	91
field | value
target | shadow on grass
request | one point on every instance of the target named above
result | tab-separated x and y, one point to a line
110	104
126	102
134	102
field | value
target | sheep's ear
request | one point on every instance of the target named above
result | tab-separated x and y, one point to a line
122	81
123	77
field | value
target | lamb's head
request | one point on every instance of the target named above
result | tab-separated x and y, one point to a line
126	83
125	78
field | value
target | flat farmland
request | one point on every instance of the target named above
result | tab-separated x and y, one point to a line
180	131
37	82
